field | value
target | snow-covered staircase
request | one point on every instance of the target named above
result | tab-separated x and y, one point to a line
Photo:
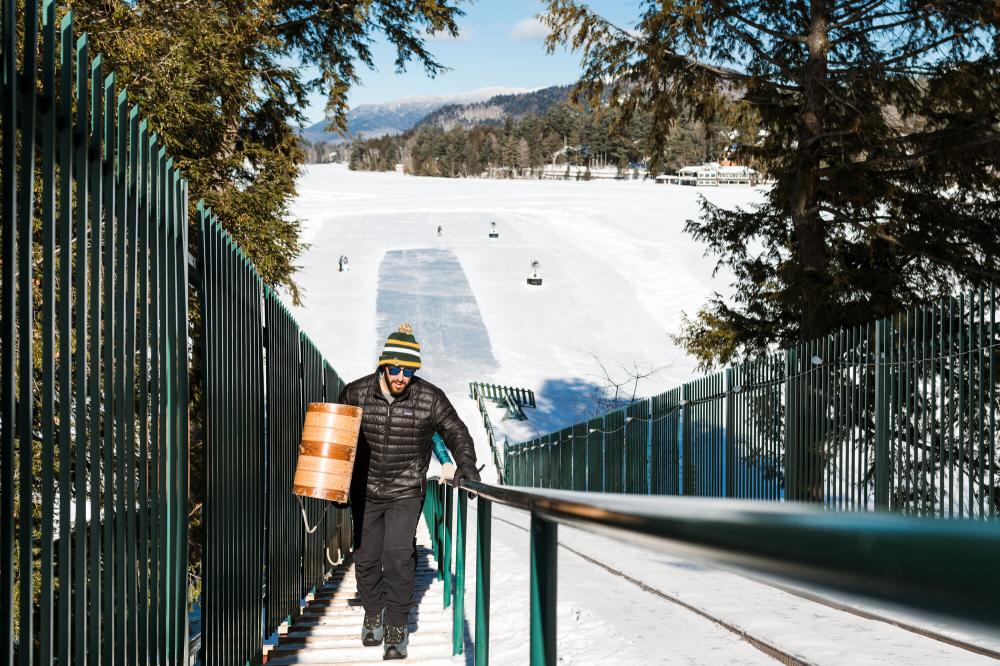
329	630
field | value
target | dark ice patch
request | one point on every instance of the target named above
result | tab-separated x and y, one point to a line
428	288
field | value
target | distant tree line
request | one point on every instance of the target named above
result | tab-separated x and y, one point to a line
322	152
564	134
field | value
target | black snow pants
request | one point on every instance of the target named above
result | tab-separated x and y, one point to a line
385	560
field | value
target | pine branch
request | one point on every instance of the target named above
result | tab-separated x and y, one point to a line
754	45
910	55
858	14
777	34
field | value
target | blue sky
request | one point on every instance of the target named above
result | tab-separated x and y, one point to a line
500	45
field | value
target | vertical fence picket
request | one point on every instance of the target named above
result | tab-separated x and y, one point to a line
25	339
68	585
94	172
8	193
48	288
991	451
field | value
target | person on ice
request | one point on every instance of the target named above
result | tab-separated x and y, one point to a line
401	413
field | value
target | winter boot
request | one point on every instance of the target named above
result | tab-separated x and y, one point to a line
396	639
372	629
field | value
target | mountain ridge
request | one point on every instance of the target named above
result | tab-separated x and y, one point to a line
398	115
497	109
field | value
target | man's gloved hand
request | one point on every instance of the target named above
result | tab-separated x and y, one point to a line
467	473
447	472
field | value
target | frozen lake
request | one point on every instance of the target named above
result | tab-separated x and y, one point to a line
617	268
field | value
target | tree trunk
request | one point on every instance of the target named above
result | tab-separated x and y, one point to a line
808	226
810	232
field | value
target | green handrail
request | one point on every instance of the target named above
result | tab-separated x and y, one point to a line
883	556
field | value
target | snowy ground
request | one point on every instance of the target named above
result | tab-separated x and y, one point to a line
618	271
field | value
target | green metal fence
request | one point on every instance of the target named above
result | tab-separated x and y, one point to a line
234	453
900	414
521	396
101	365
264	551
94	444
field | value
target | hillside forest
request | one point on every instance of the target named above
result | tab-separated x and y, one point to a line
519	146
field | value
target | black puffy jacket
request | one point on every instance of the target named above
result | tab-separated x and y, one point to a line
394	448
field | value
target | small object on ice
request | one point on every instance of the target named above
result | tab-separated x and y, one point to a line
342	262
493	230
533	278
439	230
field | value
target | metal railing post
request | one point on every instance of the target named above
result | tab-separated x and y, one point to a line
649	446
727	434
881	418
483	543
623	454
439	528
686	485
458	624
604	454
791	461
448	511
543	591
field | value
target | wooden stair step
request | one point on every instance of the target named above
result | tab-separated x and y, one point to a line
355	612
352	595
358	652
352	628
424	636
354	619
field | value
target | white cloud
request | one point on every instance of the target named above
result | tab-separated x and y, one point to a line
529	29
464	35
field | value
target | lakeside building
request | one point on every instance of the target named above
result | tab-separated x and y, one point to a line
712	174
605	172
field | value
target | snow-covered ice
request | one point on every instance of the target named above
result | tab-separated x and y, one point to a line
617	271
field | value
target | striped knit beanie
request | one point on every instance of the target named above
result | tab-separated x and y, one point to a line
401	348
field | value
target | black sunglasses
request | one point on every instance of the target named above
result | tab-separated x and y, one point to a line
395	370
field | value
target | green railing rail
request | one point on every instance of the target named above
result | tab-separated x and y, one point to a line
900	414
118	406
881	556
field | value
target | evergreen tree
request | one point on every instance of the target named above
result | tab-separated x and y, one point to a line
216	81
879	124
